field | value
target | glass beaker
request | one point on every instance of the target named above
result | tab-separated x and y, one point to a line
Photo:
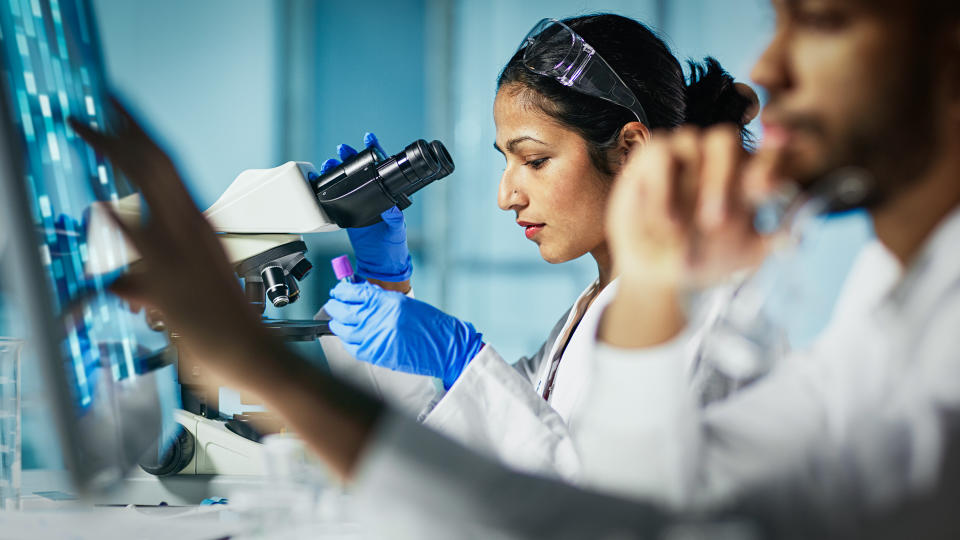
10	423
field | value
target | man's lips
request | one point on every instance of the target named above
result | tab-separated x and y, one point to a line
780	127
776	135
531	229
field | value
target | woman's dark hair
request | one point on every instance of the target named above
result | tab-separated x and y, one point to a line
647	66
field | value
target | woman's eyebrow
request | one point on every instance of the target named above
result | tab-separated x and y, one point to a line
512	143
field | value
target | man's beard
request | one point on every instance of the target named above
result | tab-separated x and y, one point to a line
893	144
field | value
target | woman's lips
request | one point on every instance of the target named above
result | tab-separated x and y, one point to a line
531	229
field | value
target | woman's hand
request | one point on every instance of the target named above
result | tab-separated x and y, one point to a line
388	329
681	217
383	257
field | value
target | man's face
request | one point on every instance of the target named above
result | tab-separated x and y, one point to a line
848	85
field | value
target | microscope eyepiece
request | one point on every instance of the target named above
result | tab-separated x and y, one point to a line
418	162
443	157
355	193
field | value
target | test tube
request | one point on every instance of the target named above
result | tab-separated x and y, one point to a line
344	270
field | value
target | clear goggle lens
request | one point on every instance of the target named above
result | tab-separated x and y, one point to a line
553	49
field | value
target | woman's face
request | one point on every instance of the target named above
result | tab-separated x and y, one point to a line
550	183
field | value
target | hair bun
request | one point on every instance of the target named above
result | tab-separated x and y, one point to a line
713	97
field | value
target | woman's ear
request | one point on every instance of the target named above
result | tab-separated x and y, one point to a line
633	135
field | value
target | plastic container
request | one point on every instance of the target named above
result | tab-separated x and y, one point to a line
10	437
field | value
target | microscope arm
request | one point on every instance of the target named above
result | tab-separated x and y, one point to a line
261	210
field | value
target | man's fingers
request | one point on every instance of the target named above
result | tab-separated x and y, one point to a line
719	176
131	288
654	177
115	149
100	142
762	176
135	235
130	124
687	149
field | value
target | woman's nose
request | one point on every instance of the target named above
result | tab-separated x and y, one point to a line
510	196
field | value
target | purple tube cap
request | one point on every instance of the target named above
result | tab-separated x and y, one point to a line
342	267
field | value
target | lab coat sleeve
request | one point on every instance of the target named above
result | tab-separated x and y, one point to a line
645	434
409	392
493	409
412	482
637	421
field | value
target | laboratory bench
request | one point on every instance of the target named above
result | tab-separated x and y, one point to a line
147	507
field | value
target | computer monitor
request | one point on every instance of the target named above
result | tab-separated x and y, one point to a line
111	397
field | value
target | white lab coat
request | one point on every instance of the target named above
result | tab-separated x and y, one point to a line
498	408
858	417
853	426
409	393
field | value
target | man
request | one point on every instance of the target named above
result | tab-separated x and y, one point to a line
869	91
864	83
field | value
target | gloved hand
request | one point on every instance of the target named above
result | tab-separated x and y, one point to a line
381	249
389	329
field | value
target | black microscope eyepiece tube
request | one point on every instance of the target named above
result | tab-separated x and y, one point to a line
409	169
418	162
355	193
444	158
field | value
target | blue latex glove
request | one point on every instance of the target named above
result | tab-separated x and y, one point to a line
389	329
381	249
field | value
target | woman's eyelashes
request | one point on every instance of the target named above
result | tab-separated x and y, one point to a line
536	163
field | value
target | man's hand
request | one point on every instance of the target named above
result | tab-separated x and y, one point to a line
681	217
185	273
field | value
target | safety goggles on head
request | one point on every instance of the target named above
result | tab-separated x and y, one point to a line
553	49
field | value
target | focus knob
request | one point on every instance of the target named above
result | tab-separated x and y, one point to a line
174	459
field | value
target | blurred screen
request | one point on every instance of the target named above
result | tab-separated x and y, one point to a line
52	70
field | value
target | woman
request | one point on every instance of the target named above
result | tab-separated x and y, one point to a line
563	141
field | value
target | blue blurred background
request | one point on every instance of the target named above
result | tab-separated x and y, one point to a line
229	85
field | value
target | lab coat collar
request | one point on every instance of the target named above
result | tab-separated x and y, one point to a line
930	276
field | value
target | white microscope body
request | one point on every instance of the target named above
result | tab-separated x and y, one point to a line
246	225
260	219
256	237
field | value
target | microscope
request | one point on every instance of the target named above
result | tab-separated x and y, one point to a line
260	220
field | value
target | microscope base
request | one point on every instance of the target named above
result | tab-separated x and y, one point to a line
219	450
